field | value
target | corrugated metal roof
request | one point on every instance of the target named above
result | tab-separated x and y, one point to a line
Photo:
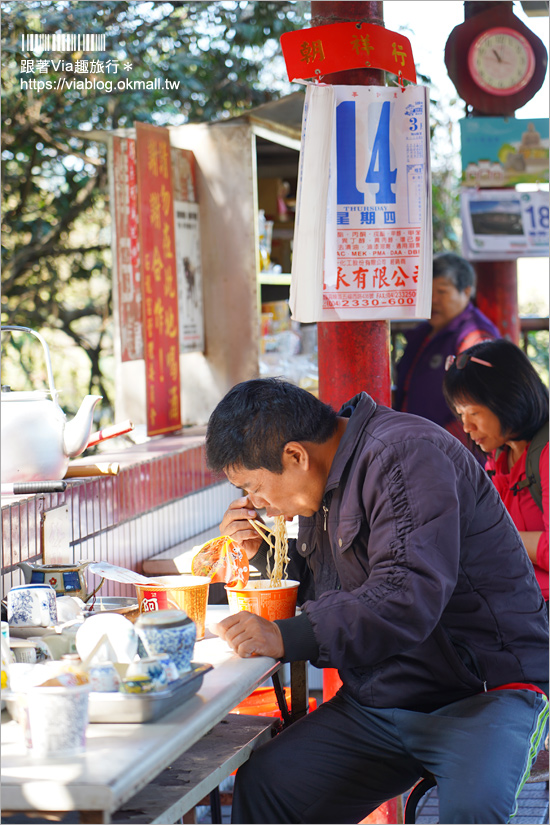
282	117
535	8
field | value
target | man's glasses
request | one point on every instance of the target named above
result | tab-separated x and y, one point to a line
462	359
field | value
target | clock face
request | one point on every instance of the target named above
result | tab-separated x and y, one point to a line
501	61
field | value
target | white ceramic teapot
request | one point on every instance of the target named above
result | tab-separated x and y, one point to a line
37	441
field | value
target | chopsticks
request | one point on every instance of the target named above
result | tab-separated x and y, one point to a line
264	532
110	432
100	469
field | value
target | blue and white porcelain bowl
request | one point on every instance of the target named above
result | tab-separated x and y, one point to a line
172	673
171	632
151	668
103	677
32	605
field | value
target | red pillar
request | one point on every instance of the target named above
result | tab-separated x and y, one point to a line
353	355
497	295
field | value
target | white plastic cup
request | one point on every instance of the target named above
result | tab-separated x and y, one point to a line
25	654
57	718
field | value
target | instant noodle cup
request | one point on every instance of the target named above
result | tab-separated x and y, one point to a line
260	598
187	593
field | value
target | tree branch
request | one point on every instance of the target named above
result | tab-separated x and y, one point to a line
27	256
80	250
66	150
25	188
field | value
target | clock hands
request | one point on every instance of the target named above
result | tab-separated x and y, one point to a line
499	58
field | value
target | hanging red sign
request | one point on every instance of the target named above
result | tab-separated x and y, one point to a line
158	279
322	50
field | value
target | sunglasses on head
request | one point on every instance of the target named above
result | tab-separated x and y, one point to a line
462	359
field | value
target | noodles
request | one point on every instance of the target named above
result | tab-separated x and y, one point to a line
278	548
279	553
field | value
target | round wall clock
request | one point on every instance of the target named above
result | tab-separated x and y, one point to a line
501	61
495	61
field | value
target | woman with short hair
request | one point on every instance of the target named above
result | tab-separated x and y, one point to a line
455	324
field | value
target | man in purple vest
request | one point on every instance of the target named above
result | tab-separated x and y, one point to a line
455	325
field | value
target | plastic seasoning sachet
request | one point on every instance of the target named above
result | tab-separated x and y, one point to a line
222	560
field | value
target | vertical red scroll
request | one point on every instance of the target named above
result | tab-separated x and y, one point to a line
158	278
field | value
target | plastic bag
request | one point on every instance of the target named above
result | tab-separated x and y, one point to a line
222	560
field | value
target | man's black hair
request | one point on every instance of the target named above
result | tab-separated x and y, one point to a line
252	423
456	269
512	389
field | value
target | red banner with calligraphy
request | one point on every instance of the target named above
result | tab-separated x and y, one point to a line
321	50
130	315
158	278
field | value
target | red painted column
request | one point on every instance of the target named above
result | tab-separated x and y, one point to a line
497	295
353	355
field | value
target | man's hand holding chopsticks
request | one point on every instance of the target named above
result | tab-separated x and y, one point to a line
237	524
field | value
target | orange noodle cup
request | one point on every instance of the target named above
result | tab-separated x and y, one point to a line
260	598
188	593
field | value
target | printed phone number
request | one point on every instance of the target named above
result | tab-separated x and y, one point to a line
335	300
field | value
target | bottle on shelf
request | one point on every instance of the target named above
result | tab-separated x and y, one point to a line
265	230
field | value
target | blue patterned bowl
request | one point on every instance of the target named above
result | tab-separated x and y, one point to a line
171	632
151	668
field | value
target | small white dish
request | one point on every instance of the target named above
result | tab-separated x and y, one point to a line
121	642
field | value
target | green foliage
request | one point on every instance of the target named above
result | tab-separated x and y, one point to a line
447	227
56	222
56	270
535	345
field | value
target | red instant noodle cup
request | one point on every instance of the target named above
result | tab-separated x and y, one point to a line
261	598
187	593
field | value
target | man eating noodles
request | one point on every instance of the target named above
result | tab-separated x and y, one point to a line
414	585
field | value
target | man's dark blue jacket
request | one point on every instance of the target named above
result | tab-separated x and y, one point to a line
415	582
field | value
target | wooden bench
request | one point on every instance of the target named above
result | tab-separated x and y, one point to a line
198	772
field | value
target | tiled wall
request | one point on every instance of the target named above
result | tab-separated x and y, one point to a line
153	503
156	502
